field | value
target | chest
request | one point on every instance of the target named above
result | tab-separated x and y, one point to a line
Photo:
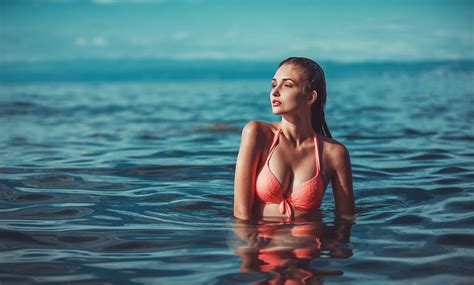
293	168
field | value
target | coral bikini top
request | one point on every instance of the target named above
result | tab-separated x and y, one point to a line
306	197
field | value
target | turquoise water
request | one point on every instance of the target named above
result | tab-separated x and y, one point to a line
125	177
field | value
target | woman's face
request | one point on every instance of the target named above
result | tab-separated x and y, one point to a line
287	94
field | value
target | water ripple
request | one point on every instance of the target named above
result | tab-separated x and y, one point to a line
119	183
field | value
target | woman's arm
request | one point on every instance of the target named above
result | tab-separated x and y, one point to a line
342	182
245	171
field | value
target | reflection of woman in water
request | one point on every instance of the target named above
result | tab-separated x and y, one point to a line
283	168
286	249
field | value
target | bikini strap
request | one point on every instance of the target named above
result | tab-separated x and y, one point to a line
275	138
316	154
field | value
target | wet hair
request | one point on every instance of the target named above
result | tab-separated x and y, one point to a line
314	80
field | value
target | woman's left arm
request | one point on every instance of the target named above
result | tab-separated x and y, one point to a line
342	182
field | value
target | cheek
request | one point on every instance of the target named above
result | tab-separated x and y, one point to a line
297	97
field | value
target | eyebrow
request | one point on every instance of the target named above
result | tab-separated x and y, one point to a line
283	79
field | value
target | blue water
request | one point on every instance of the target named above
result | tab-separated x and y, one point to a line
123	174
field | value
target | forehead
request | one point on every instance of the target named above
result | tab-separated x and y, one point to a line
288	71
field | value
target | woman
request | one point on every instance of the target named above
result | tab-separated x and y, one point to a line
283	168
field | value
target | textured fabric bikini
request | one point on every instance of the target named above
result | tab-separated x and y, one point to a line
306	197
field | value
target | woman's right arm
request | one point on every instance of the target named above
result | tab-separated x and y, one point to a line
245	170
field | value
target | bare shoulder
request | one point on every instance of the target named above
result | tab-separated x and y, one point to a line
259	130
336	152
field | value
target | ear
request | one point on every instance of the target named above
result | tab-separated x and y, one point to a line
312	97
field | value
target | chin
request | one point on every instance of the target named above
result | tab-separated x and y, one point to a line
276	111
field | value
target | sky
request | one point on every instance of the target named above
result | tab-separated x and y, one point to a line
344	30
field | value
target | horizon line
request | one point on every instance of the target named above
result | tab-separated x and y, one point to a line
247	60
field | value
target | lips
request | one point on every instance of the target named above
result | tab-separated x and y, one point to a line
276	102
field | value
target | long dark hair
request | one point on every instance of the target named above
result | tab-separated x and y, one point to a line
315	80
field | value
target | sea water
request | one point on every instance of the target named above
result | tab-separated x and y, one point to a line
123	174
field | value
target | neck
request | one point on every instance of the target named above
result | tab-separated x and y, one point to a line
296	130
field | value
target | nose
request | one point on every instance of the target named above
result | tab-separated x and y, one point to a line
275	91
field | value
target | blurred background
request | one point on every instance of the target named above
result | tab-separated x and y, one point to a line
120	126
369	30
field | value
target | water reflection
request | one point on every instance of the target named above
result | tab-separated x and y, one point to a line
285	249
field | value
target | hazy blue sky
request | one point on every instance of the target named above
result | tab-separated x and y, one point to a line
226	29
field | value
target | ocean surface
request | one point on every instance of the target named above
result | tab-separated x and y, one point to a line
122	173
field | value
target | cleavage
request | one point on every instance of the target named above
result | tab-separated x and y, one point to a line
283	172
